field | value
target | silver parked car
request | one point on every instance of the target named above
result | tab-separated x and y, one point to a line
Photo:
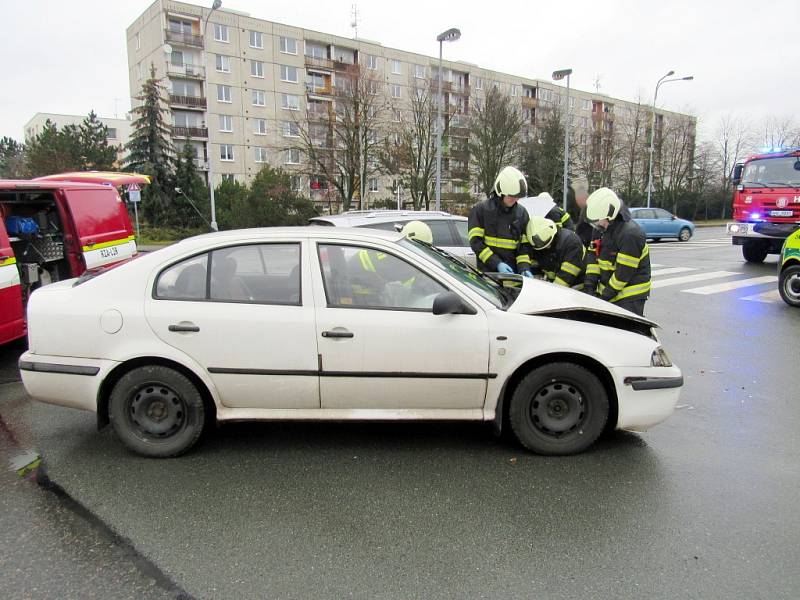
449	231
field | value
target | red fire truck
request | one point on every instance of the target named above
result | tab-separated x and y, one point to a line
766	202
54	228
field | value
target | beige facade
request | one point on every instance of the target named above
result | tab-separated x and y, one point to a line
119	130
235	82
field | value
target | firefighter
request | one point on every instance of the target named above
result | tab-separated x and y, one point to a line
557	252
590	238
624	259
557	214
497	226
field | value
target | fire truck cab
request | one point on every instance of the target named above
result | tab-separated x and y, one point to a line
56	228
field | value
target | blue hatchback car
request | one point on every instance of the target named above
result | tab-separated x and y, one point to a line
658	223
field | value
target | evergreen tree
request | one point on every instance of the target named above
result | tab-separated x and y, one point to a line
150	151
231	203
193	196
97	155
54	151
12	159
543	158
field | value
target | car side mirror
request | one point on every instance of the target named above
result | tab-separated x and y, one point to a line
736	175
450	303
673	217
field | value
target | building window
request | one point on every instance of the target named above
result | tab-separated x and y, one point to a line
291	129
479	83
296	183
397	67
220	32
138	41
256	68
292	157
226	152
372	87
514	90
289	74
372	61
290	102
112	133
260	126
256	39
224	93
397	115
373	184
419	71
260	154
228	177
139	71
396	91
226	123
258	98
571	103
288	45
223	63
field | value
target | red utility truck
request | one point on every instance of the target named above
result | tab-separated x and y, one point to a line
55	228
766	202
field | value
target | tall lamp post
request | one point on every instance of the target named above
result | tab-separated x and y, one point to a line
217	4
558	76
653	129
451	35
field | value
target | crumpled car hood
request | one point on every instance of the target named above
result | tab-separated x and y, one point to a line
542	298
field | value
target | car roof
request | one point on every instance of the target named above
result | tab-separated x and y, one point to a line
356	218
307	231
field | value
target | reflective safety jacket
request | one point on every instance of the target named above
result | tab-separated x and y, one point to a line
497	234
563	262
624	261
560	217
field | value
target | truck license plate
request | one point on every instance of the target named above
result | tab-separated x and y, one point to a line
780	213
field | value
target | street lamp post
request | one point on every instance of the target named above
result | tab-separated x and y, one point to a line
558	76
653	129
217	4
451	35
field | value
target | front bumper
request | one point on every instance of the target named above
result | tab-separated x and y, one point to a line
64	380
647	395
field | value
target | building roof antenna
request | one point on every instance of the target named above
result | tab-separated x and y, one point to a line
354	19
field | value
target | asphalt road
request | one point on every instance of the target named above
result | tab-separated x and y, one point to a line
702	506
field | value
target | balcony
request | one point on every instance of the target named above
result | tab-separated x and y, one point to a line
201	164
198	102
186	70
187	39
312	62
345	67
528	102
189	132
320	115
318	90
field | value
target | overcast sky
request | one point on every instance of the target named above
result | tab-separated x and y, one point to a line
70	56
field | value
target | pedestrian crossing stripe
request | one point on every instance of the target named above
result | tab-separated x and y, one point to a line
732	285
660	283
657	274
771	296
670	271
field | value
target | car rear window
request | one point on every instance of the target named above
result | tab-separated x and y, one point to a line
440	228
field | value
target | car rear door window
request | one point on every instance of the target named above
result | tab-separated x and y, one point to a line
662	214
186	280
645	213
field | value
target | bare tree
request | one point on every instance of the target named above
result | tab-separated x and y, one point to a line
733	139
495	139
778	132
342	144
633	149
676	153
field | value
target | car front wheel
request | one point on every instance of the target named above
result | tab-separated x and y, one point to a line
558	409
789	285
156	411
685	234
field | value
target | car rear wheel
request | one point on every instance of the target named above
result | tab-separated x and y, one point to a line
685	234
558	409
789	285
156	411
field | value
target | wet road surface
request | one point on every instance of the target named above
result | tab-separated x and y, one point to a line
702	506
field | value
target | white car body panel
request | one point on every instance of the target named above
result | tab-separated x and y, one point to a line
101	323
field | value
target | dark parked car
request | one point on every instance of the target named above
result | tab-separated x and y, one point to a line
658	223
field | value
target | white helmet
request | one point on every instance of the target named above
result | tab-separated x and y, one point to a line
541	232
417	230
546	196
511	182
602	204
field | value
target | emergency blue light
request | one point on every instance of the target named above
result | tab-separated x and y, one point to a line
755	215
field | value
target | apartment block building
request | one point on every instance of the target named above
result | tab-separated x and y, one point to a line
239	85
119	130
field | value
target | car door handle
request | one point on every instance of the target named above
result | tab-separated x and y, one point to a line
337	334
182	328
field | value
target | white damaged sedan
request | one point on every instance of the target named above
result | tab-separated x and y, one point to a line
312	323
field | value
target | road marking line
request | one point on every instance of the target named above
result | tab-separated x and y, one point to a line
692	278
770	296
655	266
732	285
671	271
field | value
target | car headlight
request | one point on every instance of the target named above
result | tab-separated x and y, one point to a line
660	358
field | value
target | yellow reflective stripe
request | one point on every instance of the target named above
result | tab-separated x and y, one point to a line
593	269
601	288
475	232
550	275
632	290
605	265
523	258
645	252
559	281
524	239
7	261
627	260
366	261
570	268
579	286
504	243
564	219
109	244
616	283
485	254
